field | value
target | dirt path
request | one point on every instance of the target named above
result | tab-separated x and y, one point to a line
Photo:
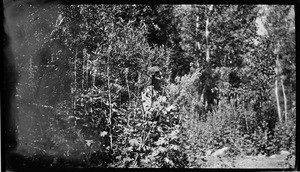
274	161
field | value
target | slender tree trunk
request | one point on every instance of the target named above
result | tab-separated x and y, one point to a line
83	71
31	75
207	33
94	74
127	84
197	43
280	78
83	78
87	74
109	98
206	38
277	95
75	82
285	101
205	91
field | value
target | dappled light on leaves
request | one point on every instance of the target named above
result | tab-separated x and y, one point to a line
153	86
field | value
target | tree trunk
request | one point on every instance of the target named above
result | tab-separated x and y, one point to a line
93	70
109	98
83	78
207	33
87	73
127	84
94	73
75	82
197	43
83	71
31	75
206	87
277	90
285	101
206	37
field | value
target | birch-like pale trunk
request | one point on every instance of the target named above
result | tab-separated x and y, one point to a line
83	71
206	38
84	68
207	34
280	80
127	84
278	101
277	90
94	74
87	73
75	80
197	44
109	98
202	97
285	101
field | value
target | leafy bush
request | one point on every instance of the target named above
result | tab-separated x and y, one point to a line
150	141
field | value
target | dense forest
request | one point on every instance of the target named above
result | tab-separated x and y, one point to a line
151	86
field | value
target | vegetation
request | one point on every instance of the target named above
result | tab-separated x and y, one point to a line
222	84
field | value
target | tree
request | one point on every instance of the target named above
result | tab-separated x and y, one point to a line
231	30
111	57
279	23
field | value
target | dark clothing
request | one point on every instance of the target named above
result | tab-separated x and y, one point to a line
157	84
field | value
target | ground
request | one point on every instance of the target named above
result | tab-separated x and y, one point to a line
261	161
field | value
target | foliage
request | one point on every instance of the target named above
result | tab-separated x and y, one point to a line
122	55
98	64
